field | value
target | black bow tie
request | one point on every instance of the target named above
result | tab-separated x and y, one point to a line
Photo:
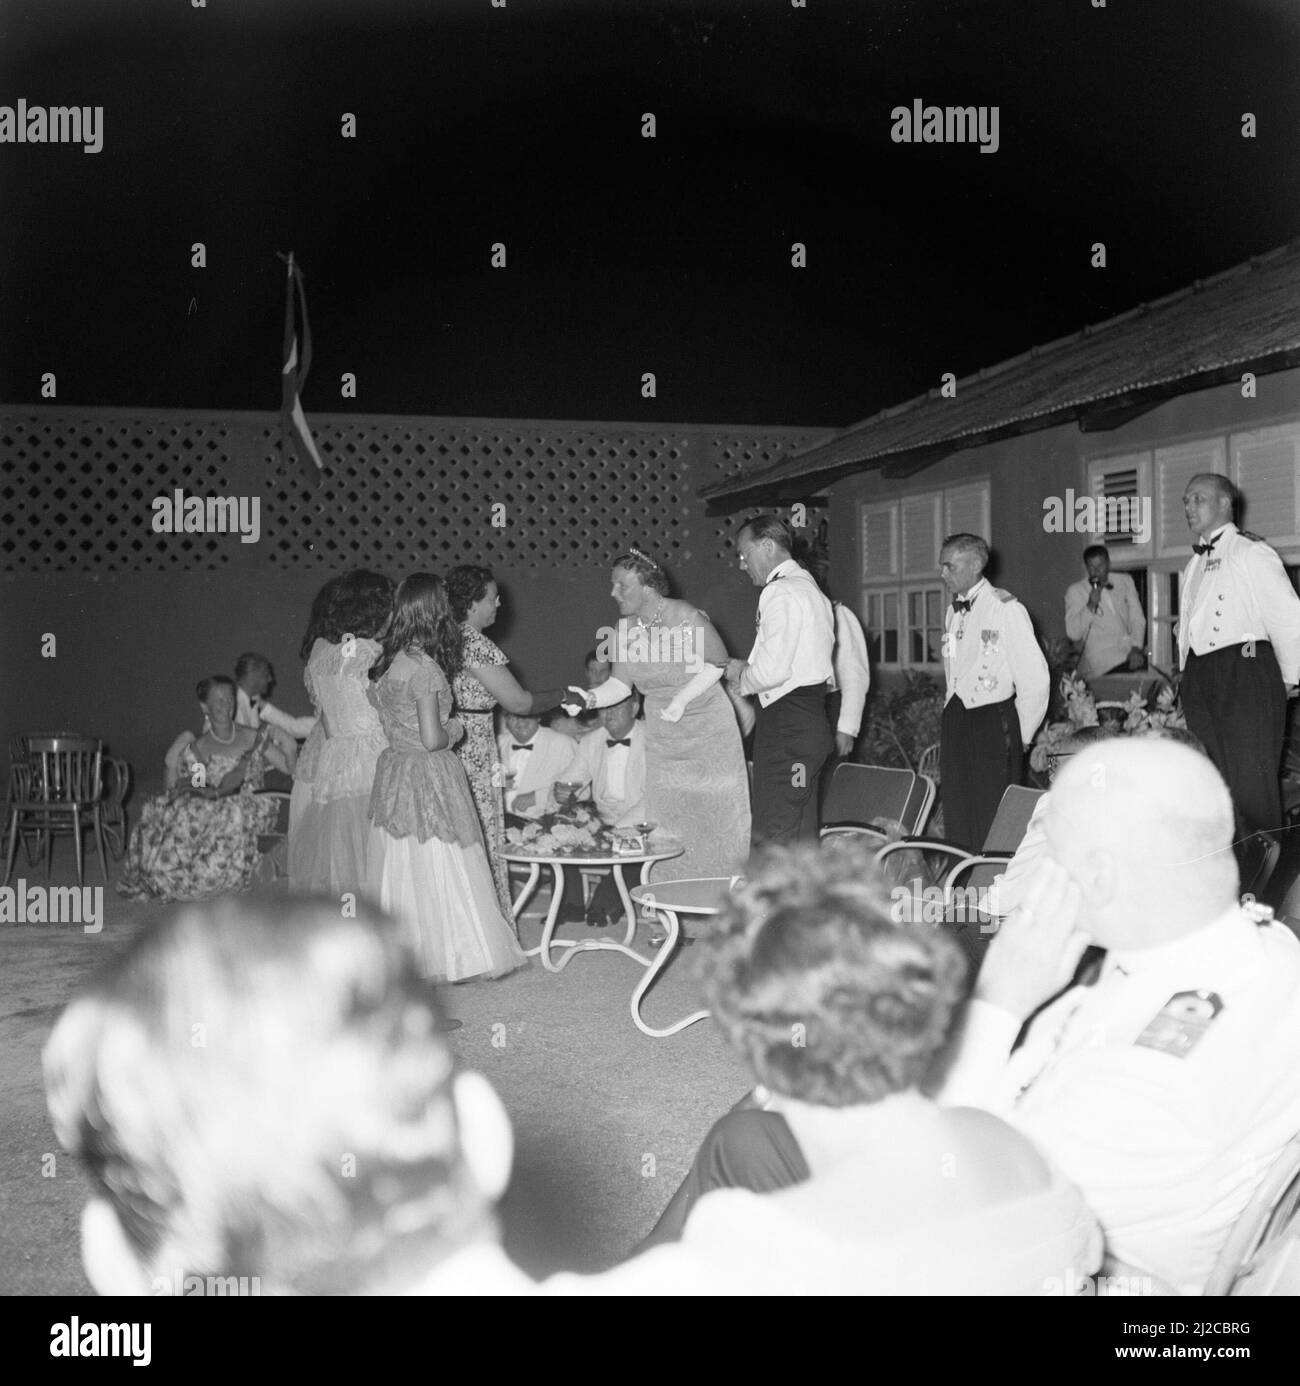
1205	548
517	747
962	604
1104	586
626	741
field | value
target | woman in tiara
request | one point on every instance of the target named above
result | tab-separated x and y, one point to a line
697	789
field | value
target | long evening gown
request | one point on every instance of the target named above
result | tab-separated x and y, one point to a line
187	848
331	837
478	754
697	787
432	872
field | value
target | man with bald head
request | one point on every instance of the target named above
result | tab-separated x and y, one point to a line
1239	647
1166	1083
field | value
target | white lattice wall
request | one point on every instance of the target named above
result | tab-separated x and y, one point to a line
76	487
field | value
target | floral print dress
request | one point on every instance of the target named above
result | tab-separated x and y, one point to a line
478	754
187	848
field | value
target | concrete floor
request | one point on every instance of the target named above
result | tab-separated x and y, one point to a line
606	1120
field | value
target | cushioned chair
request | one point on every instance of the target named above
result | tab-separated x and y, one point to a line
861	794
1262	1256
960	874
62	792
929	762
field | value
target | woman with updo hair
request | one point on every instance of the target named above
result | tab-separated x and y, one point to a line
484	683
843	1173
697	787
330	834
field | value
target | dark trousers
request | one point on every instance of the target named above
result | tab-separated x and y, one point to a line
792	742
980	754
748	1149
1236	704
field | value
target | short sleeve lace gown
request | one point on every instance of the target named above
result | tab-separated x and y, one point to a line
432	871
187	848
478	754
330	833
697	787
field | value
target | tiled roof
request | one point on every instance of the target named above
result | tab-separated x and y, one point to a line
1247	318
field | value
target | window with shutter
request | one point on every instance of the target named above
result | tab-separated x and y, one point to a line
921	535
1266	469
879	541
1121	489
1174	467
966	510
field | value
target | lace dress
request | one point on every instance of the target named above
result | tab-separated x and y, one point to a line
330	833
432	872
478	754
187	848
697	787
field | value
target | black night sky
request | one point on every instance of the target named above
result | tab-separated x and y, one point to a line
672	255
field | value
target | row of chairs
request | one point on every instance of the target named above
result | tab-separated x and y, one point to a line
61	784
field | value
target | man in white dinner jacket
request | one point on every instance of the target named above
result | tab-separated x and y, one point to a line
1239	647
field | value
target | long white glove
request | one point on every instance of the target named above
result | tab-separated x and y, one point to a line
702	681
610	692
297	727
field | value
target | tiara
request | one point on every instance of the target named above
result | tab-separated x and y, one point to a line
644	557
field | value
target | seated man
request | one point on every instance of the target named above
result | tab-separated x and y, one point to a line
254	680
1166	1087
533	757
868	1187
611	766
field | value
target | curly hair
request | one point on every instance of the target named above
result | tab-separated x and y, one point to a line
357	603
646	568
827	998
465	586
311	1140
422	620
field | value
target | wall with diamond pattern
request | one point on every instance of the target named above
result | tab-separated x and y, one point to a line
139	615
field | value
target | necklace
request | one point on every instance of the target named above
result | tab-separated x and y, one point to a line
234	732
654	620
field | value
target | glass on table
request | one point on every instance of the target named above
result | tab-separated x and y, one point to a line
567	791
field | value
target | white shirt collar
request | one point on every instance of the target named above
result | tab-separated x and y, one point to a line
1222	932
787	565
974	589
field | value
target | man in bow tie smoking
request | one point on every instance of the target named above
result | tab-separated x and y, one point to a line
1104	615
997	692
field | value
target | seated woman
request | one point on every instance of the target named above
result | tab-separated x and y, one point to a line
199	838
846	1178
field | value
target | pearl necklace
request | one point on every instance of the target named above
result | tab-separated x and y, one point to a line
234	732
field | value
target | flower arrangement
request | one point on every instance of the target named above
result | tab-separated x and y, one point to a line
1129	718
570	832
